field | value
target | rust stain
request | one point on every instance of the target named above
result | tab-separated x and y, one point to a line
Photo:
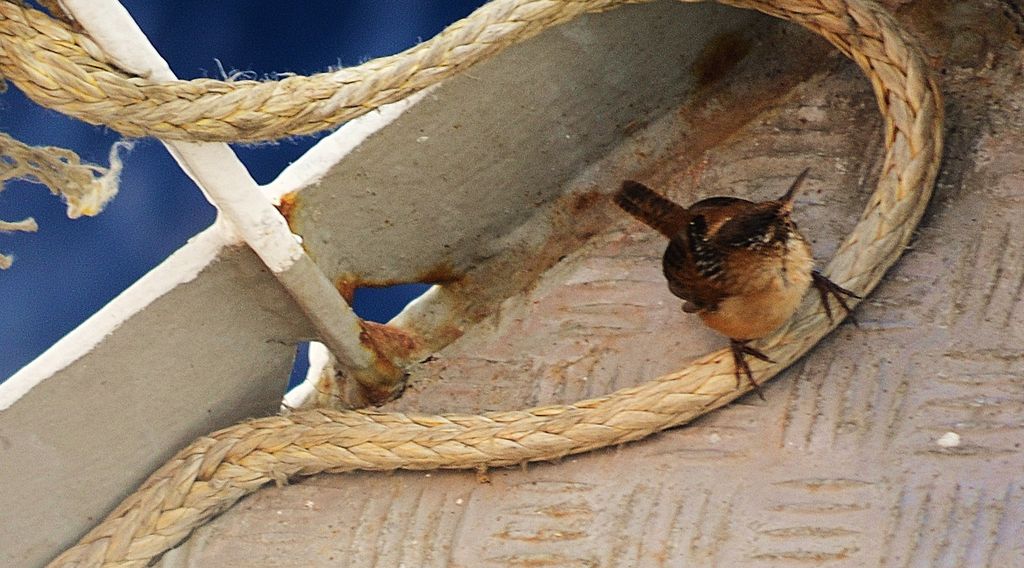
541	535
288	205
442	273
543	561
346	287
584	201
809	556
392	342
576	217
377	396
564	510
719	57
347	284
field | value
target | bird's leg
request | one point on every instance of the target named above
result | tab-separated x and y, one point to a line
826	287
739	351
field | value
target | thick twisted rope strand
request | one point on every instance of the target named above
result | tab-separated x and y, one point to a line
215	471
65	71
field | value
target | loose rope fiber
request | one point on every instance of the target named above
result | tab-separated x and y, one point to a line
67	72
85	188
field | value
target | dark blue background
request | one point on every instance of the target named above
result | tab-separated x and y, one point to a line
71	268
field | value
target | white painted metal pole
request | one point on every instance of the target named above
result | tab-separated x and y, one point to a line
229	186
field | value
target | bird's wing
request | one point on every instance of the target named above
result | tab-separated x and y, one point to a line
692	266
657	212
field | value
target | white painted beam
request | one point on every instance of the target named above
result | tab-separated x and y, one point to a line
228	185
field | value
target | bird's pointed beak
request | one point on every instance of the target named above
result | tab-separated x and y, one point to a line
787	199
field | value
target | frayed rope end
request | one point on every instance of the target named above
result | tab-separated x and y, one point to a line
104	187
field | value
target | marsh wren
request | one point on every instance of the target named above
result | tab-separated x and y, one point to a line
742	267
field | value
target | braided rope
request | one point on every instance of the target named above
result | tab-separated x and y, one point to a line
67	72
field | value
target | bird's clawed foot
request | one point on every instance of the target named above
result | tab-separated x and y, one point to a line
740	350
826	287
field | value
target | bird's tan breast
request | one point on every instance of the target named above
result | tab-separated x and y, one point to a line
765	295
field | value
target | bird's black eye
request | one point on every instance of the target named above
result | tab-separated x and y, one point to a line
698	226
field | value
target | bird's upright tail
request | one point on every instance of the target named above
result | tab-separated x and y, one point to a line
652	209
